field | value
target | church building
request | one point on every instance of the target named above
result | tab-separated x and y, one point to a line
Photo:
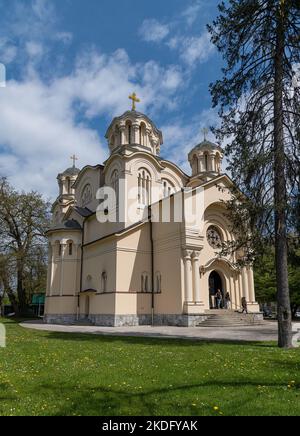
142	271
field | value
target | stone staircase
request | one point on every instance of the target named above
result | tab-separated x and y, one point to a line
229	318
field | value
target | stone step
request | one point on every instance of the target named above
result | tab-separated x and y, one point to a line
228	318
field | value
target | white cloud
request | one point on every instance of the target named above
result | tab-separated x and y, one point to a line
191	13
153	31
38	136
40	126
34	26
34	49
196	49
192	49
8	51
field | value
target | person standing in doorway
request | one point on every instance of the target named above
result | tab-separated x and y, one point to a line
227	301
219	299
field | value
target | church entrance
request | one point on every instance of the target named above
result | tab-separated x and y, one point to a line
215	283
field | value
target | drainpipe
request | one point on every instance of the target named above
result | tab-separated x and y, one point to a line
152	264
81	268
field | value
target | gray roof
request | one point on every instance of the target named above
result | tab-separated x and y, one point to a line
207	144
67	225
83	211
204	145
72	171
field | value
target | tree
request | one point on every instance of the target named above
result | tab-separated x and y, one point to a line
24	218
259	109
265	279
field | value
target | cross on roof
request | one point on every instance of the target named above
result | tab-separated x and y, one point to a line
74	159
205	132
135	100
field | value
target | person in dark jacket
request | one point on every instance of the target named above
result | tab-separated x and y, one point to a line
244	305
219	299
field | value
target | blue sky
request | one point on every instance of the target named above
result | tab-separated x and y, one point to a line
71	65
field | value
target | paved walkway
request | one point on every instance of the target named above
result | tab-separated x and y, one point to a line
267	332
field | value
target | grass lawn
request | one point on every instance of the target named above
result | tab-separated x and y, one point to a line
45	373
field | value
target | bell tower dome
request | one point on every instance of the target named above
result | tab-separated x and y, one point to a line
66	197
206	160
134	131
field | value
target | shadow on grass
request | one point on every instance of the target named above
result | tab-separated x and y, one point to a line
101	401
149	340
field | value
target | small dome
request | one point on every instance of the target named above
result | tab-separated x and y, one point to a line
207	145
72	171
206	159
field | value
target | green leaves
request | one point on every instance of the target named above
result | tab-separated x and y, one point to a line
24	218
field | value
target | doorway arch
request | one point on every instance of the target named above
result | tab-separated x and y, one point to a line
215	282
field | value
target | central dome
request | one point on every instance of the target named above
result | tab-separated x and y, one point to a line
136	130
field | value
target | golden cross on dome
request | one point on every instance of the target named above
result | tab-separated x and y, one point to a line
135	100
74	159
205	132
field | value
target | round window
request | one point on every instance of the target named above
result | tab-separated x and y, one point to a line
214	237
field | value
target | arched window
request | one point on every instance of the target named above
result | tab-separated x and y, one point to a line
104	282
158	283
112	141
145	285
143	135
168	188
115	184
70	248
144	187
206	162
129	132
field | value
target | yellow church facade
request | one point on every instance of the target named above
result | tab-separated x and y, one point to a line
141	260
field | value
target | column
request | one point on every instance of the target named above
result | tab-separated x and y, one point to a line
122	134
147	139
251	285
236	293
51	253
136	134
202	164
245	284
232	292
188	276
196	277
63	252
213	162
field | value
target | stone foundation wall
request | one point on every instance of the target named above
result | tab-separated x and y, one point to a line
60	319
129	320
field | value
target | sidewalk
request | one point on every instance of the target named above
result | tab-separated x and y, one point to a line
248	334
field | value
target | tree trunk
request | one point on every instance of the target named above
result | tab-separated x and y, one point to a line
20	289
280	197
